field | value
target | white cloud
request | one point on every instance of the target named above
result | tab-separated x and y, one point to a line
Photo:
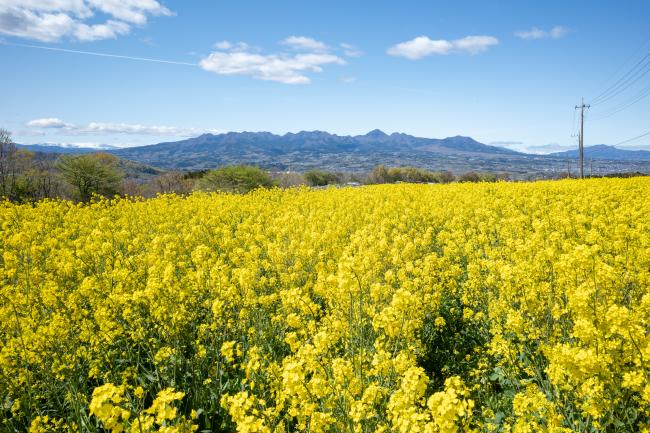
49	122
304	43
423	46
420	47
231	46
549	148
52	20
108	128
474	44
535	33
283	68
108	30
131	11
44	27
350	50
223	45
84	145
558	32
135	129
506	143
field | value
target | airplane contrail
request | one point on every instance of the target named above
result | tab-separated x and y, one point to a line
92	53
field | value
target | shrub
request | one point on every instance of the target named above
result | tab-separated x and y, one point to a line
321	178
471	176
236	179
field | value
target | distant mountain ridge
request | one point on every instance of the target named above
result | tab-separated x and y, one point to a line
304	141
270	149
602	151
321	141
305	150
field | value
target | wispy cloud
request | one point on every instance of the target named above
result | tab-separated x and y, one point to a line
136	129
233	46
109	128
303	43
49	21
223	45
423	46
509	144
287	68
78	145
506	143
549	148
350	50
556	32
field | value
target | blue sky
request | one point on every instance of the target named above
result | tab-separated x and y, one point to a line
502	72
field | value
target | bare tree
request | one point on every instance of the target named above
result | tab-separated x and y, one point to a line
7	164
171	182
44	179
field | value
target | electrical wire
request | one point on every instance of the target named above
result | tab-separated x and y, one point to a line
640	48
642	94
631	139
640	70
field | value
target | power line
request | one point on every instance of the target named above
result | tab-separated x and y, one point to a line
631	139
631	101
638	71
640	48
621	79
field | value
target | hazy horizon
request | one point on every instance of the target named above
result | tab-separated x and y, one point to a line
545	150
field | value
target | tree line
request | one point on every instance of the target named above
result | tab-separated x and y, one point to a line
28	176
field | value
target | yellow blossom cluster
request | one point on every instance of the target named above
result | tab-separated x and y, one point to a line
508	307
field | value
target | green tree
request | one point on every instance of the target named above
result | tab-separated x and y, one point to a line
235	178
90	174
413	175
382	174
321	178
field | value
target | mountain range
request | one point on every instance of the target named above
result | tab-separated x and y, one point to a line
602	151
283	151
318	149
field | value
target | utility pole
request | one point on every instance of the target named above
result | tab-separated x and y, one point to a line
581	145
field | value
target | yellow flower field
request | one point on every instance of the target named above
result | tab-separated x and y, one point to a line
513	307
